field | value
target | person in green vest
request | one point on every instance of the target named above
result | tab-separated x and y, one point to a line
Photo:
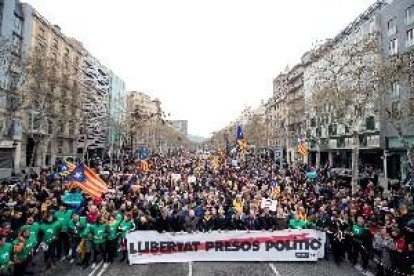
85	246
21	252
62	242
6	250
50	230
33	240
360	240
75	227
296	223
124	227
111	244
100	232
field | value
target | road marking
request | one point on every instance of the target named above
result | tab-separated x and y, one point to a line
102	270
96	268
190	268
272	266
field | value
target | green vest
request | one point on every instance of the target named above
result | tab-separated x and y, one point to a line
5	255
77	227
84	233
24	254
64	218
50	231
99	233
298	224
125	226
359	232
31	242
113	230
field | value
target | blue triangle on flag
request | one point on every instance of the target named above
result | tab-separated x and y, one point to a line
78	175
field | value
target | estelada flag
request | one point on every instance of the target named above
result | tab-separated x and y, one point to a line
87	180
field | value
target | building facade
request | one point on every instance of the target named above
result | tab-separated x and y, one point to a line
11	36
142	118
95	112
330	140
285	110
70	115
116	114
45	139
180	125
397	37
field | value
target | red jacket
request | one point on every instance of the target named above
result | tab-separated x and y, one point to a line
400	244
92	217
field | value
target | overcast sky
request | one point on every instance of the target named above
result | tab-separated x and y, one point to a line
205	60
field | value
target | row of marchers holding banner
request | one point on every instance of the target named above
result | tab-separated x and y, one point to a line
285	245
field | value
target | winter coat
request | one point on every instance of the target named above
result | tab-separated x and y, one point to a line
381	247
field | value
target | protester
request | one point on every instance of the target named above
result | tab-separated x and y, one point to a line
6	250
187	192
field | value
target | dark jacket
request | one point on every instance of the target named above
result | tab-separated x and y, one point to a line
267	222
161	224
252	223
191	224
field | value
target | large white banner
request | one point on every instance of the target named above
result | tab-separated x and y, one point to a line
285	245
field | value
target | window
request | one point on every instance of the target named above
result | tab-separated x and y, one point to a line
54	55
42	32
410	38
370	121
341	142
372	27
332	129
55	43
313	122
318	132
3	101
41	46
18	25
392	27
393	47
395	92
411	107
395	109
410	15
16	44
49	127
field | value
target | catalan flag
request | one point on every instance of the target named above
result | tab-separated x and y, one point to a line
302	148
87	180
64	169
143	166
241	142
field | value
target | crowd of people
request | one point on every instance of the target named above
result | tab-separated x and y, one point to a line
190	192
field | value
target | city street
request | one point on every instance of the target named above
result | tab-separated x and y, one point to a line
320	268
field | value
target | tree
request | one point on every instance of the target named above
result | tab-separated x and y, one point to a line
146	124
397	101
50	101
254	130
346	88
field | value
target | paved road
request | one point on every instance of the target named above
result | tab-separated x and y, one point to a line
320	268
